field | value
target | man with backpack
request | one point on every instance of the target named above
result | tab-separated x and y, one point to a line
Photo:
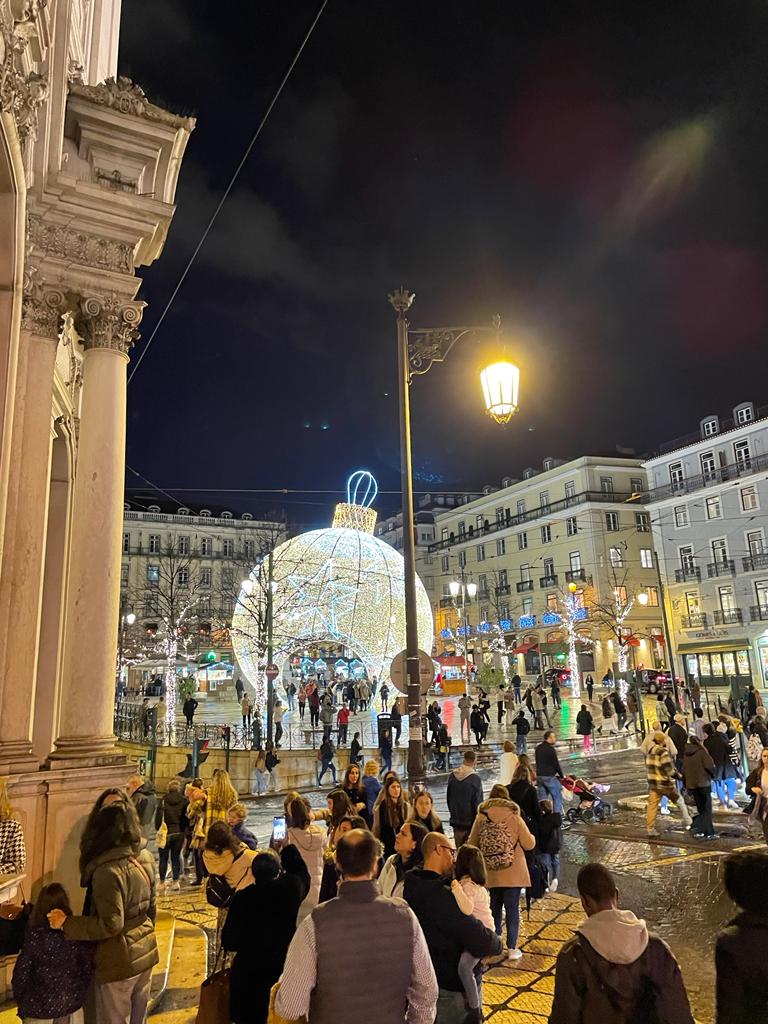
613	970
464	794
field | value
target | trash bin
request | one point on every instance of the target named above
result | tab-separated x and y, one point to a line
383	721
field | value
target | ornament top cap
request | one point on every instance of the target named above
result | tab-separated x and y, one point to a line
362	488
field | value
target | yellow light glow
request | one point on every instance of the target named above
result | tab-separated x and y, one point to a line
501	386
642	598
572	587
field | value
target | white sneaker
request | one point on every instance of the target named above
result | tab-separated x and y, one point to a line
176	886
553	885
665	811
514	954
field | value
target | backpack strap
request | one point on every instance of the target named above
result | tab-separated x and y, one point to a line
137	864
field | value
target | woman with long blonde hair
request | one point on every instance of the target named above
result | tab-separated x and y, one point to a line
219	797
13	852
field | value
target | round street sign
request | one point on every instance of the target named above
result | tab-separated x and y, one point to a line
272	672
398	671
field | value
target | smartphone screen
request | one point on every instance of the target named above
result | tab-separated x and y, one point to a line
278	829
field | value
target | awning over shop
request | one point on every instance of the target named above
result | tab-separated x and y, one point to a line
450	660
524	648
713	646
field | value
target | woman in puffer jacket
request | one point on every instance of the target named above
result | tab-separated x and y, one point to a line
121	878
309	840
503	837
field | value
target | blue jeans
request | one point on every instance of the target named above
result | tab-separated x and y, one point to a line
326	766
550	789
725	789
551	862
508	899
522	745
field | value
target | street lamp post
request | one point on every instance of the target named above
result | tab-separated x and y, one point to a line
665	623
125	620
467	590
416	353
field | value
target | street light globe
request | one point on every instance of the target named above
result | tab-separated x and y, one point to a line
572	587
501	385
130	618
247	586
454	588
471	590
642	598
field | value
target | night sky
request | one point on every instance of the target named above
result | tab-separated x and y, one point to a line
594	172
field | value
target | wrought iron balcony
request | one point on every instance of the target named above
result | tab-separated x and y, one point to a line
695	621
503	588
721	474
524	585
759	612
756	562
728	616
724	567
574	575
688	573
548	581
447	602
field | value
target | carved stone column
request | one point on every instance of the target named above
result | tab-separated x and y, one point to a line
24	552
108	326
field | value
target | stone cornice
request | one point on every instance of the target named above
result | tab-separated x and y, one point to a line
58	241
126	97
107	322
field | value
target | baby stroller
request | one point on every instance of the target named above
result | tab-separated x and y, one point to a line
591	806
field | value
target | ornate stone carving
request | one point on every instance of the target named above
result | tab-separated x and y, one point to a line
108	322
77	246
124	95
43	306
20	93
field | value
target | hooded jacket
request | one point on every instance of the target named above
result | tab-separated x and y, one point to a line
234	867
309	842
145	801
173	810
615	972
122	918
742	970
464	795
698	767
507	814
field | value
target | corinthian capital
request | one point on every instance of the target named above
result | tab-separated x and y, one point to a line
108	322
42	307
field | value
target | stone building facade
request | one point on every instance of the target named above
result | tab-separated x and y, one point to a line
88	171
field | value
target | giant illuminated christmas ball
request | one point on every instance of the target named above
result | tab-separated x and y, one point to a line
338	586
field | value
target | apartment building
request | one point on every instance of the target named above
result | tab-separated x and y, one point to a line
427	507
708	499
580	522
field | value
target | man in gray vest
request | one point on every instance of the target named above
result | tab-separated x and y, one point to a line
388	977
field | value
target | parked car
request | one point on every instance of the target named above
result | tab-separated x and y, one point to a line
655	681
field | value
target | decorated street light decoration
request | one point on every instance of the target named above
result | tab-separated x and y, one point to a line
501	388
339	586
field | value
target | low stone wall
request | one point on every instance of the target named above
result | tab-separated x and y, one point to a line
297	768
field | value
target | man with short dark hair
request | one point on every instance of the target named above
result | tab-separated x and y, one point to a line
464	795
387	979
447	930
613	969
549	772
742	968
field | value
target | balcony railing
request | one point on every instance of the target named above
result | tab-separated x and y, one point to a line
721	474
503	588
759	612
574	575
695	621
725	567
756	562
687	573
548	581
728	616
446	602
524	585
548	509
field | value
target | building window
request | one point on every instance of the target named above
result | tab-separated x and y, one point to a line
183	545
719	551
748	497
501	546
653	597
153	574
570	490
429	582
462	529
681	516
552	602
528	603
725	597
612	521
183	576
636	484
687	561
126	543
205	577
521	507
544	501
744	415
444	533
708	465
522	541
463	559
249	549
481	552
642	522
503	578
482	583
714	508
606	484
479	522
574	557
741	454
228	548
571	526
504	611
154	543
525	572
206	546
227	578
755	542
646	558
676	474
444	563
616	556
710	427
499	515
761	593
549	568
546	534
124	575
620	595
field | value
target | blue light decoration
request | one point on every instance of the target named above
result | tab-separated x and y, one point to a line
446	634
354	487
580	614
320	665
505	625
484	627
526	621
550	619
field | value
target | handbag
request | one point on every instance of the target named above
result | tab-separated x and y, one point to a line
273	1017
214	996
162	836
13	925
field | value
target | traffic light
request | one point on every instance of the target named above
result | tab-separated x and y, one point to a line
210	656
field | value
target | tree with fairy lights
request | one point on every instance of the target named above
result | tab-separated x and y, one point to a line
610	616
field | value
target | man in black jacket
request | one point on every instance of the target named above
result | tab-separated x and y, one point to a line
549	772
447	930
679	736
742	970
465	794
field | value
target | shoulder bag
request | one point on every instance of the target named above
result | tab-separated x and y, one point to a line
214	995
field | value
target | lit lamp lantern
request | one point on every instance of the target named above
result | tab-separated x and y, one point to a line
501	386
